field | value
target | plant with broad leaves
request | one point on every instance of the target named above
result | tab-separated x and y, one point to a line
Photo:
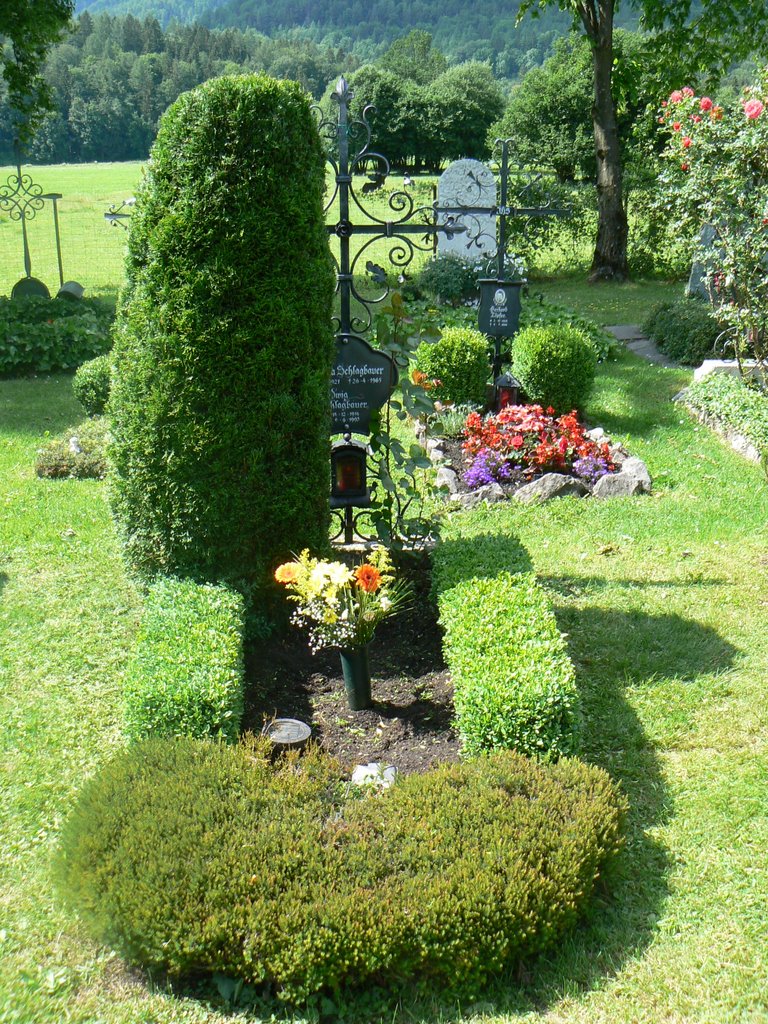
400	515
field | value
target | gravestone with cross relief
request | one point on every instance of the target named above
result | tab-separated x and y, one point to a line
466	192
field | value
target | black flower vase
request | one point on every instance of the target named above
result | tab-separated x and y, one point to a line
357	677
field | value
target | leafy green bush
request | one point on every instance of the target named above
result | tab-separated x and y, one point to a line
91	384
78	452
448	279
224	343
459	360
730	400
513	680
556	365
41	335
687	330
186	855
186	678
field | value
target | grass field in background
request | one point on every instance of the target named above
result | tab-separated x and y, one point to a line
93	250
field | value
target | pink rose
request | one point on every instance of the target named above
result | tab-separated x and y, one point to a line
676	96
706	104
695	118
753	109
686	142
676	126
688	91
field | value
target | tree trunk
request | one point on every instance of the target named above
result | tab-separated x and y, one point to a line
609	262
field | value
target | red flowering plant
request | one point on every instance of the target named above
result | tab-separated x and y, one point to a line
531	439
718	175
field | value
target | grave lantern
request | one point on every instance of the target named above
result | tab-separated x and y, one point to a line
348	475
507	391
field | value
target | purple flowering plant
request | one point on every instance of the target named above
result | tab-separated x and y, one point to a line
590	468
488	466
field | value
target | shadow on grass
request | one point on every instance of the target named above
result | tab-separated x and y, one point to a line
644	397
611	649
30	406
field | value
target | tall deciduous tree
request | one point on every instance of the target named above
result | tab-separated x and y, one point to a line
27	29
707	41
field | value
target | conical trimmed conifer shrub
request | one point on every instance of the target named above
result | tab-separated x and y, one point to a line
223	340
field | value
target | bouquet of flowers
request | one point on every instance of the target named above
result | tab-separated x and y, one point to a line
341	607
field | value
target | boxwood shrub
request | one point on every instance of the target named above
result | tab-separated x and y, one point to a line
186	676
555	364
736	405
514	684
196	856
459	360
91	384
224	343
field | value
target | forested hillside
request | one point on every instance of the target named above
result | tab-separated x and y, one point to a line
481	30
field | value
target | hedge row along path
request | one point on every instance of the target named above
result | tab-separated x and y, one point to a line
664	600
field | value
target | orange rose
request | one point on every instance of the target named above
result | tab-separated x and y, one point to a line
368	578
287	573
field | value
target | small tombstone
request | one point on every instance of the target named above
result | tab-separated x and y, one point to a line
700	279
466	195
362	379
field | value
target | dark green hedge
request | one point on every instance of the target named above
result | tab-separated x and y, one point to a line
687	330
514	684
193	856
40	335
223	340
187	677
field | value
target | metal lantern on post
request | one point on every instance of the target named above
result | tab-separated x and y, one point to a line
349	484
506	391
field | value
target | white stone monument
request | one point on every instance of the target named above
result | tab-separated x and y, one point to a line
465	186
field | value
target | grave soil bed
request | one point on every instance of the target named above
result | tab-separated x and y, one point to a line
410	723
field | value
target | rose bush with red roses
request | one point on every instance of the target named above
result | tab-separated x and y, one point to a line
718	174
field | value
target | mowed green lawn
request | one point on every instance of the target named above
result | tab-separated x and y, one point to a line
664	600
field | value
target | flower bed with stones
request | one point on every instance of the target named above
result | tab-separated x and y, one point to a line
625	476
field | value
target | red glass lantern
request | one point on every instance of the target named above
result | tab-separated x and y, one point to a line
508	390
349	475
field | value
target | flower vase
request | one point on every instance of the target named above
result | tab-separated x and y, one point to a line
357	677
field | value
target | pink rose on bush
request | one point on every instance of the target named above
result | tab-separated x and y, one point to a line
706	104
753	109
676	96
688	91
687	141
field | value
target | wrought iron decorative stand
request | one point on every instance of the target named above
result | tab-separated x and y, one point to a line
412	228
22	199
